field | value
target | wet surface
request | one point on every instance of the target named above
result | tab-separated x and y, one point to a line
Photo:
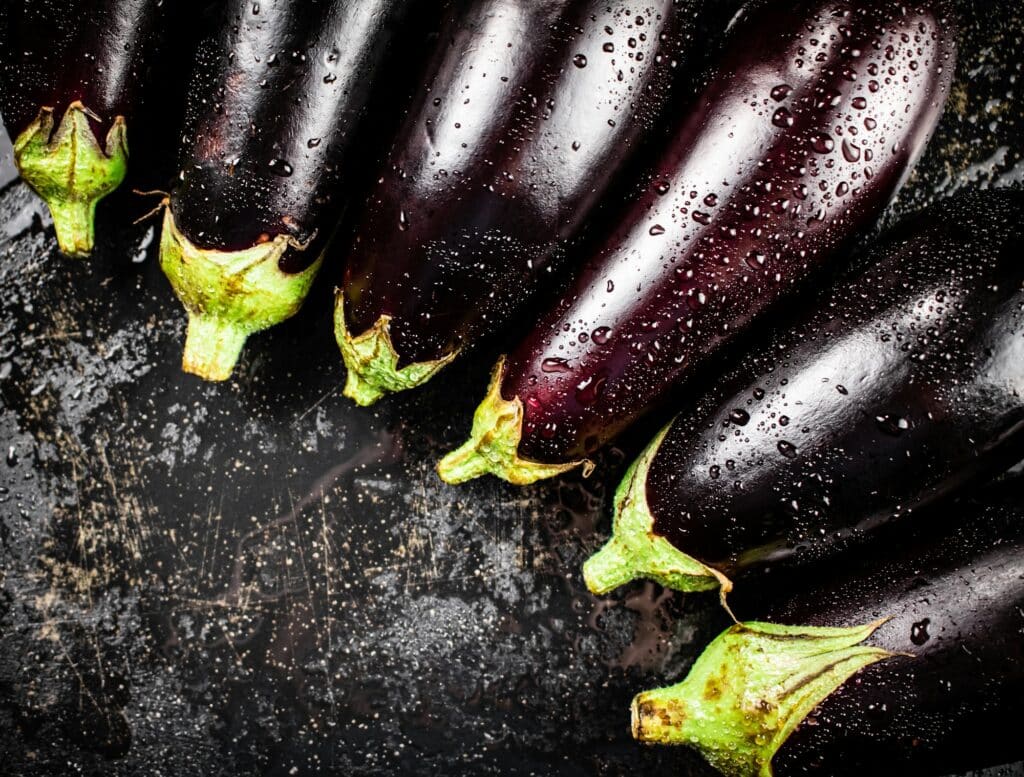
260	578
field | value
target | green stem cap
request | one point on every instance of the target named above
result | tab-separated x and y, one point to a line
494	441
372	361
750	689
70	171
635	551
229	295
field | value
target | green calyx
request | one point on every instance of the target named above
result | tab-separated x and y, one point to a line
750	689
69	170
372	361
635	551
494	441
229	295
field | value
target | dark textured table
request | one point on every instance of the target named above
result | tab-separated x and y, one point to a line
260	578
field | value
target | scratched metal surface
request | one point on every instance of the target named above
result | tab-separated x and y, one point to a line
259	578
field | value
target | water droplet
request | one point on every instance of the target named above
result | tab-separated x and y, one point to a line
281	167
711	200
919	632
715	471
609	47
851	152
588	391
313	142
701	218
822	143
579	61
783	118
12	457
892	424
787	449
662	187
601	335
610	286
739	416
330	78
842	389
555	365
656	230
403	220
860	103
575	145
783	420
781	92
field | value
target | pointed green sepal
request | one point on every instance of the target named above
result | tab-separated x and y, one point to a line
635	552
229	295
372	361
494	441
69	170
750	689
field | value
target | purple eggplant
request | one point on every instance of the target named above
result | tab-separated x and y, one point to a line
530	109
72	77
817	112
278	102
905	384
932	684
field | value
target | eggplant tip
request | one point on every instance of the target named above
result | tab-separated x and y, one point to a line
372	361
69	170
229	295
493	443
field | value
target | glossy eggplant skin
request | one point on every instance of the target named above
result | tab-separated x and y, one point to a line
531	108
952	697
814	119
60	51
278	93
907	383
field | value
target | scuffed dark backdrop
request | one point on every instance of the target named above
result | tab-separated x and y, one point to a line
260	578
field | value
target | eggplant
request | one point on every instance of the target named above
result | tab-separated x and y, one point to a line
906	384
936	688
71	83
818	110
529	111
278	96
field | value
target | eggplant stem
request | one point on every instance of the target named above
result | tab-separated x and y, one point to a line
212	347
68	169
230	294
635	551
493	444
750	689
371	360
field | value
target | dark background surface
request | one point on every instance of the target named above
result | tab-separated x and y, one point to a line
260	578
